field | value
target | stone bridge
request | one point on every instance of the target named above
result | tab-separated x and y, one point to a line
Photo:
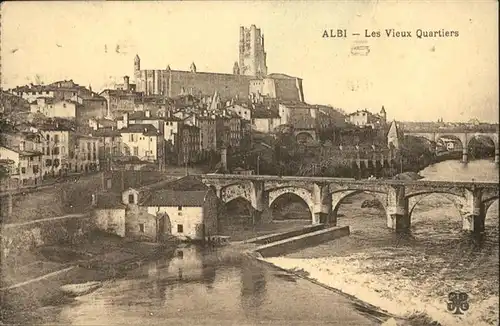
324	196
464	136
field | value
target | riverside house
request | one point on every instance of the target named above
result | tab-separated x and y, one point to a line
185	208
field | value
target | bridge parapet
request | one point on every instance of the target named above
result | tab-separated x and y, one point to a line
324	195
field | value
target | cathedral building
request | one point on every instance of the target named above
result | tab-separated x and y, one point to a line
249	78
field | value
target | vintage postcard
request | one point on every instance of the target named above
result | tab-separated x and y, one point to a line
249	163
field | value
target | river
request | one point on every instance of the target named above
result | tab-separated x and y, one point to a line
479	170
193	286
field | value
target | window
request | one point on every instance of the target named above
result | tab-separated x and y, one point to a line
179	208
136	151
108	185
180	228
180	254
56	139
23	170
141	227
130	198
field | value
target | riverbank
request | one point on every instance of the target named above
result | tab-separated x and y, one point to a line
409	277
33	280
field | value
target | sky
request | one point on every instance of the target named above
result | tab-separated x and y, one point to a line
454	78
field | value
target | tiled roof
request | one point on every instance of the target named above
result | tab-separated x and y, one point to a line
187	183
88	96
145	129
140	115
171	118
175	198
106	132
23	153
264	114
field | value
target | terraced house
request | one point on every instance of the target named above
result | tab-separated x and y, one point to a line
21	152
143	141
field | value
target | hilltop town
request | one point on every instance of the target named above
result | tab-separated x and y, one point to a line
167	118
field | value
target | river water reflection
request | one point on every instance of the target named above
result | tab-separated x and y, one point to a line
194	286
197	286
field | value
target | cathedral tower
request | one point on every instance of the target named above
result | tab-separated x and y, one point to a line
252	54
137	70
137	63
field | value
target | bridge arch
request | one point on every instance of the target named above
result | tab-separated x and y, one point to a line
486	203
302	193
235	190
237	211
340	196
415	198
460	138
491	136
305	136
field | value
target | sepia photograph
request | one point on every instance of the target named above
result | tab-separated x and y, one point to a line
249	163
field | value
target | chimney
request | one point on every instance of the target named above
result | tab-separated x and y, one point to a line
126	83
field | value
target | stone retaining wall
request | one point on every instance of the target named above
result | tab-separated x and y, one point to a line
302	241
22	237
285	235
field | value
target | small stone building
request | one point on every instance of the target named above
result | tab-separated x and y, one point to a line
109	213
185	208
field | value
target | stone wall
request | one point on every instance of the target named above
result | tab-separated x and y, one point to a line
118	181
139	224
59	199
287	89
22	237
286	235
311	239
111	220
227	85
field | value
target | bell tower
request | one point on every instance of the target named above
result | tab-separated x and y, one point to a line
252	61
